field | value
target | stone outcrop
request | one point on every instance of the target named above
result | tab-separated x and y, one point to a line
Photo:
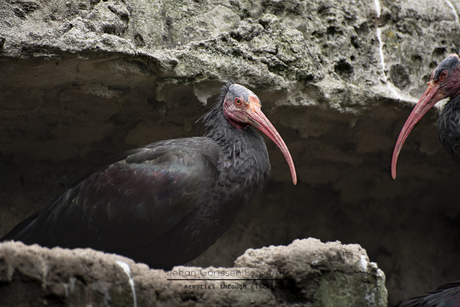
82	80
307	272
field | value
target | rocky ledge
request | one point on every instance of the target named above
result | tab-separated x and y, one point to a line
304	273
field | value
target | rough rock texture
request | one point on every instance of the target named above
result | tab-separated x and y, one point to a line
328	274
307	272
81	80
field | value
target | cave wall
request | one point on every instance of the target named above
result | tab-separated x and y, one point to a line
83	80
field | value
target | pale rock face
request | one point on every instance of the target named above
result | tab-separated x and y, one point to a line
304	272
83	80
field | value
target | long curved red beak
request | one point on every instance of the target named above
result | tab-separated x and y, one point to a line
431	96
261	122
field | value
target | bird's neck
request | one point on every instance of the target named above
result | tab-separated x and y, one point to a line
234	141
450	112
223	132
449	127
244	156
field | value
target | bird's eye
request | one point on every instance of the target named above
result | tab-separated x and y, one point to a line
443	75
237	101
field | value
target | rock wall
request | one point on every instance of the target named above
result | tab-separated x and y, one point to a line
82	80
307	272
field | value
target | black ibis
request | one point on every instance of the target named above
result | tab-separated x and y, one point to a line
165	203
444	83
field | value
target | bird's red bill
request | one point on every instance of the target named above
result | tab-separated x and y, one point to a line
426	102
261	122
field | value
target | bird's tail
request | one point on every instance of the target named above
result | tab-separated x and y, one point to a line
22	231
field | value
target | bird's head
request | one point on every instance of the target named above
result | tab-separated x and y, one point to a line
444	83
241	108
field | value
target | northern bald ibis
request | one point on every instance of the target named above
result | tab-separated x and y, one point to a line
165	203
444	83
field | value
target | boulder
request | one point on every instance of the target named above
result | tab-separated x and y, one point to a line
304	273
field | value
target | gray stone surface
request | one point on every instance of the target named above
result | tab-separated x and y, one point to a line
305	273
327	274
82	80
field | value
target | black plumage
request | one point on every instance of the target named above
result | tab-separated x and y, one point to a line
165	203
449	128
447	295
444	83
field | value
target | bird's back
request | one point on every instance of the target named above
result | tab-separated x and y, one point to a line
447	295
130	202
163	204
